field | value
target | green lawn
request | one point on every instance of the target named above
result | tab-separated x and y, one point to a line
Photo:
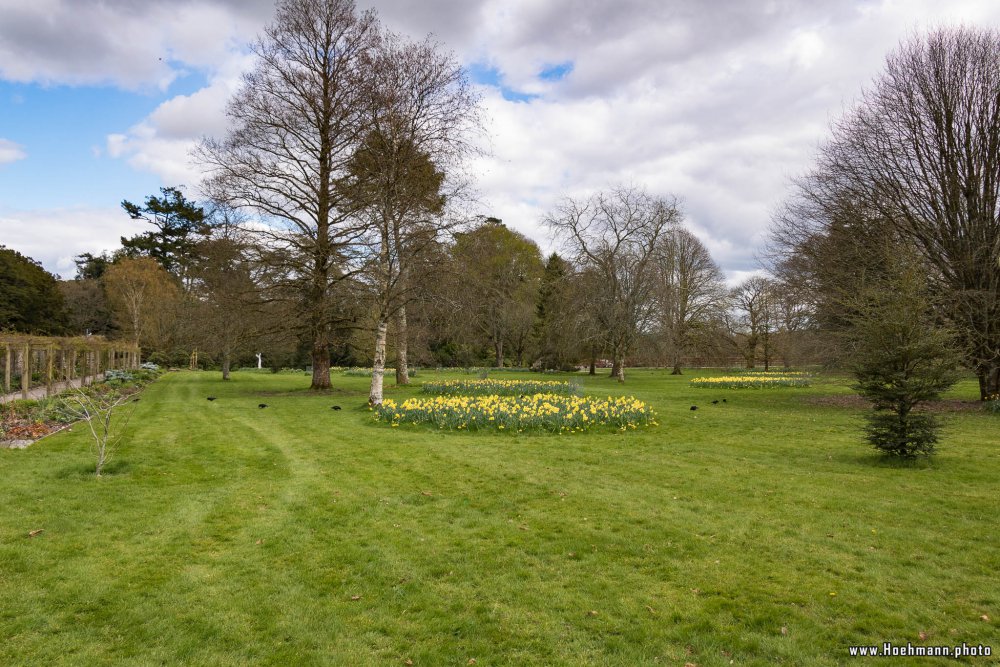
761	531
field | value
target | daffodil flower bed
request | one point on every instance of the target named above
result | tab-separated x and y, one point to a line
500	387
781	373
751	381
555	413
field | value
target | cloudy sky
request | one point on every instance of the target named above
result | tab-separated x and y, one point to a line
719	102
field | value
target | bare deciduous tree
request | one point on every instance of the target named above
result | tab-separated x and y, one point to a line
920	154
421	114
751	325
296	122
615	234
690	291
225	303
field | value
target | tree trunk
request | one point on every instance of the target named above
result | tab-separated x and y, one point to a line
225	365
593	360
402	363
989	381
321	363
498	346
618	368
677	365
378	366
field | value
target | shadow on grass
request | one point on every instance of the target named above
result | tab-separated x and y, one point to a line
306	391
86	471
887	462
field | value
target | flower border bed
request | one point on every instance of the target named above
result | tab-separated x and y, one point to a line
23	423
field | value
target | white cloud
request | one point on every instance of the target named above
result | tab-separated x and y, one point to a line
10	152
719	103
126	43
162	142
734	278
80	230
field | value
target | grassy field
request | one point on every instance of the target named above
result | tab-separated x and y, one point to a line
761	531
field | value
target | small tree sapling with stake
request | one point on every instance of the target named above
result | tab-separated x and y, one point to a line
107	412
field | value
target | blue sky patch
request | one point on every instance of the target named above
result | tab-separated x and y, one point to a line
488	75
556	72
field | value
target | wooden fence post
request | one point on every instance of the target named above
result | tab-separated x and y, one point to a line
6	369
48	371
25	371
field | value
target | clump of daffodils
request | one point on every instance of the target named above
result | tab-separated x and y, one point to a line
499	387
556	413
754	381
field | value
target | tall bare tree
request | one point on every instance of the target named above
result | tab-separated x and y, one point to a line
422	113
615	234
752	320
793	322
920	153
225	304
690	291
296	123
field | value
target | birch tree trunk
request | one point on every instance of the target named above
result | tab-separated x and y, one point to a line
378	367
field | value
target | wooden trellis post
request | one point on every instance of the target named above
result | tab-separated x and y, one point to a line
25	371
48	370
59	362
6	369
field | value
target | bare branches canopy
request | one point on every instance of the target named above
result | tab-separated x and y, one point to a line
327	82
615	234
918	159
